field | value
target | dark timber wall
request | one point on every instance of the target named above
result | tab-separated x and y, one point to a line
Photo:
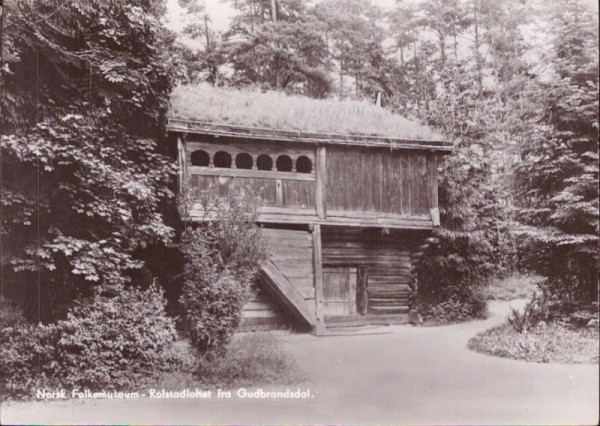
380	264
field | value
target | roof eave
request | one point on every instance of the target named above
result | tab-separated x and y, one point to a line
227	130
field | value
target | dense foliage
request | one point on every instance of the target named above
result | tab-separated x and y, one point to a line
107	342
556	181
85	88
222	256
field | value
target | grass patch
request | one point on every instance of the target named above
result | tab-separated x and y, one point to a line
253	359
510	288
552	343
276	110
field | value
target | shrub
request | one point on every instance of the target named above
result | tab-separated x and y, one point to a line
222	255
535	311
545	343
10	315
452	274
106	343
28	359
250	359
115	342
459	306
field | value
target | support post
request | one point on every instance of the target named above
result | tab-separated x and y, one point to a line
320	192
182	164
318	271
278	192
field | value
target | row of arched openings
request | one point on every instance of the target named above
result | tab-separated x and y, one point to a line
222	159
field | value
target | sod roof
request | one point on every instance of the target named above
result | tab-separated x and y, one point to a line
210	107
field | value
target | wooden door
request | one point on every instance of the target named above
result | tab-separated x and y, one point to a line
339	290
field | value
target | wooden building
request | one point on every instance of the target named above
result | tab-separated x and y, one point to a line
347	215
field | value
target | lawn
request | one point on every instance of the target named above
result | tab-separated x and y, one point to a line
251	359
516	286
544	343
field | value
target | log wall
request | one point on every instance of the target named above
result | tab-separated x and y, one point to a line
263	313
386	261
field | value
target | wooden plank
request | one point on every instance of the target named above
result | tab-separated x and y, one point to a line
248	313
318	272
406	185
339	290
362	295
279	192
368	319
182	172
290	297
389	309
433	175
298	193
321	182
251	173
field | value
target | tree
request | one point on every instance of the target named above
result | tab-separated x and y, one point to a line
556	181
86	88
277	45
354	39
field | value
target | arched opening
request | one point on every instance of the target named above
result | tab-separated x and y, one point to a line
222	159
200	158
303	164
284	163
243	161
264	162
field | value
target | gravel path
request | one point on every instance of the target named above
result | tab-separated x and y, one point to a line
411	375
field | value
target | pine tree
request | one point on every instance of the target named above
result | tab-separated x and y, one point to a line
556	181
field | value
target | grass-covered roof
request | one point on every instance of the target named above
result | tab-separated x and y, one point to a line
278	111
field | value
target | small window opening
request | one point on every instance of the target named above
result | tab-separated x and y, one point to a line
200	158
222	159
303	164
264	162
243	161
284	163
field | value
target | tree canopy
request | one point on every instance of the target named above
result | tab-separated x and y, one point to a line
85	91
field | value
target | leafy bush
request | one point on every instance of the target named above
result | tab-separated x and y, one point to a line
106	343
451	277
114	342
536	310
222	256
550	342
9	314
459	306
250	359
28	359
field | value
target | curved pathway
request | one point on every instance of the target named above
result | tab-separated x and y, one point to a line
411	375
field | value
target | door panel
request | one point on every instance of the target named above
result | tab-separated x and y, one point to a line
339	291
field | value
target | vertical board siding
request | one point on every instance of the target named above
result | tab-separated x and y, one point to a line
339	291
292	253
292	193
397	182
298	193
